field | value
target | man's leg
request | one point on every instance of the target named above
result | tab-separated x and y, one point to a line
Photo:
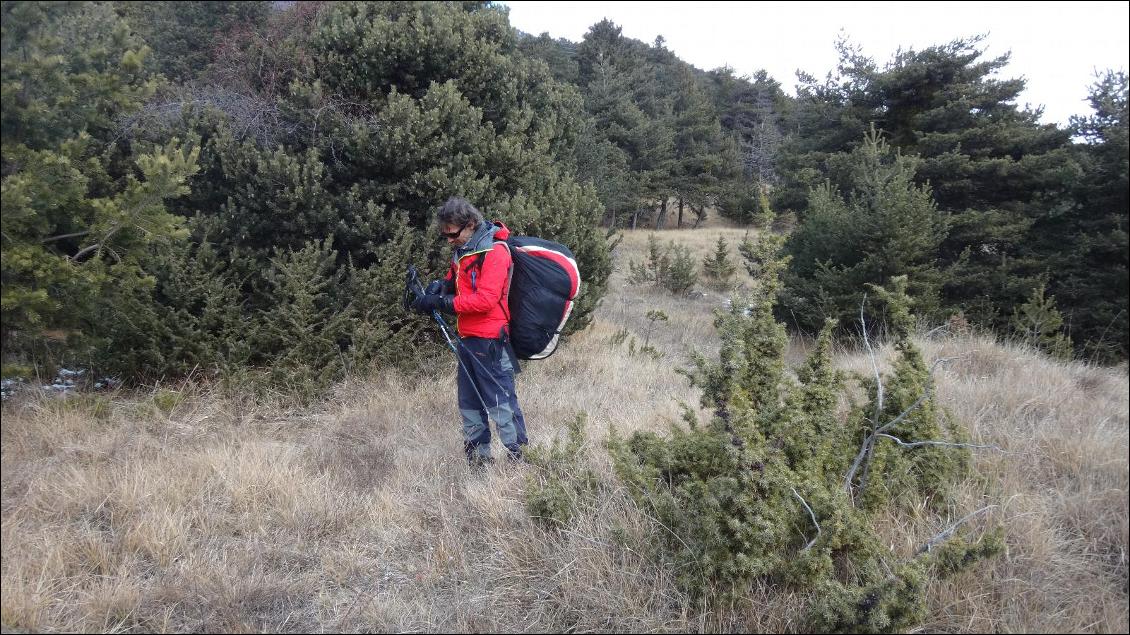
476	431
519	420
502	401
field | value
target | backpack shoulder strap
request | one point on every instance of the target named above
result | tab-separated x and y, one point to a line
509	275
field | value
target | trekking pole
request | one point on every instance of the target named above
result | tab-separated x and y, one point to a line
413	286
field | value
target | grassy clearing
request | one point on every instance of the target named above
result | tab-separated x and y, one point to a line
217	515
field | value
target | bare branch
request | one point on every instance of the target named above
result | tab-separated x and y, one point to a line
818	532
874	363
82	252
914	444
925	395
949	531
930	333
98	245
64	237
864	455
869	443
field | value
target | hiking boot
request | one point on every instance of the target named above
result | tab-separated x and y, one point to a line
479	462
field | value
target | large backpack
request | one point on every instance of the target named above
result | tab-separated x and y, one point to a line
543	283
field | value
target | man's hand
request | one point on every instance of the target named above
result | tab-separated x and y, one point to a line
427	303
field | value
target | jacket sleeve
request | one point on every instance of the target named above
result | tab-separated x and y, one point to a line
491	283
449	281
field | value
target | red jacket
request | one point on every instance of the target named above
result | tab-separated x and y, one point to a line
481	271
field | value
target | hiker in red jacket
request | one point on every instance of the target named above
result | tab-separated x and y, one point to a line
475	290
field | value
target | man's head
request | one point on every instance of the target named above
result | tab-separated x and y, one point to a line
458	220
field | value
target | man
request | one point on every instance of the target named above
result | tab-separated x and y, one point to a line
475	290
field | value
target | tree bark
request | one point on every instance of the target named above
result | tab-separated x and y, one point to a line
662	214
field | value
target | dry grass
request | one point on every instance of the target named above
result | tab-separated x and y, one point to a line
360	515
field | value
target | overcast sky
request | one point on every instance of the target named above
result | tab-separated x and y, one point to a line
1056	46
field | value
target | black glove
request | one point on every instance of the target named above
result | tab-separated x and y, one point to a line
435	287
428	303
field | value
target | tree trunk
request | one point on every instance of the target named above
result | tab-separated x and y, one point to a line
662	214
699	215
680	212
635	217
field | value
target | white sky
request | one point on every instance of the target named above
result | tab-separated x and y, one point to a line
1056	46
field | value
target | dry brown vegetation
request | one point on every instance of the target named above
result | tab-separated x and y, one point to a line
227	515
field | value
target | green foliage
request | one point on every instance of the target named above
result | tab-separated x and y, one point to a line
747	204
1086	249
559	55
751	359
739	203
1039	324
753	110
671	267
307	319
185	35
657	265
82	206
752	113
764	215
97	407
719	269
894	604
561	481
656	124
956	554
16	371
325	136
653	316
682	274
450	108
907	476
769	489
886	226
705	163
167	400
990	165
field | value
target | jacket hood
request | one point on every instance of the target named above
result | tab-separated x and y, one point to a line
485	236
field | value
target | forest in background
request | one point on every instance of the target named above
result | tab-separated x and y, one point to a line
236	188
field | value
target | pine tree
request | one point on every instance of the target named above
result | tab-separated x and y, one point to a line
81	204
305	324
719	269
559	55
682	274
885	226
753	109
369	116
1085	249
184	35
990	165
770	488
627	90
1039	324
702	168
764	215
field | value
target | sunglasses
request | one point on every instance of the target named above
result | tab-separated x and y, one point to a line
453	235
